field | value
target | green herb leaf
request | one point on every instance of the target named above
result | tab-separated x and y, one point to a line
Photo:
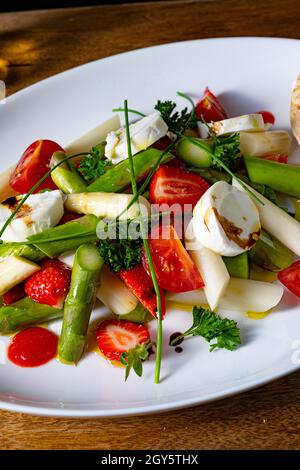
121	254
227	149
134	357
175	121
93	165
211	326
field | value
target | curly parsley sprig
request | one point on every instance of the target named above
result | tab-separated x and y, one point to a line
93	164
121	253
211	326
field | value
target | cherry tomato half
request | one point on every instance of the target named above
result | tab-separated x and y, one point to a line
33	165
210	108
268	117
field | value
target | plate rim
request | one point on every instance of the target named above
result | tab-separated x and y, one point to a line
40	410
144	410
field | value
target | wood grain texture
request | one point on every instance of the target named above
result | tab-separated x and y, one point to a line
35	45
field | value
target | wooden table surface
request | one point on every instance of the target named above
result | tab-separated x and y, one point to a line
38	44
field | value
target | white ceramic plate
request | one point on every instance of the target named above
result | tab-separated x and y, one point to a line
249	74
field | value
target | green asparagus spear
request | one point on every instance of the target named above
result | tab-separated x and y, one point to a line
66	177
138	315
79	303
237	266
279	176
263	189
20	249
67	237
211	175
270	254
117	177
195	156
80	227
25	313
56	248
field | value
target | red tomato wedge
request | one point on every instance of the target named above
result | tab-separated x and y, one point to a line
115	337
33	165
32	347
141	285
171	185
174	268
68	217
268	117
210	108
14	294
290	278
276	158
162	143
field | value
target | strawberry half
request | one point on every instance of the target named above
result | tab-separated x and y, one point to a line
115	337
50	285
141	285
14	294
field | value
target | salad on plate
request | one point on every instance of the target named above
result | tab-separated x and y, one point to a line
190	208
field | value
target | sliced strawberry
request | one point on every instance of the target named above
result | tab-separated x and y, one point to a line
210	108
68	217
50	285
140	283
115	337
14	294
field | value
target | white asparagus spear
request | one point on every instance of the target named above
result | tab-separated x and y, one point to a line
13	270
94	136
211	266
275	220
242	295
258	144
115	295
108	205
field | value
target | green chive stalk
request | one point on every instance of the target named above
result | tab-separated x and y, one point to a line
147	252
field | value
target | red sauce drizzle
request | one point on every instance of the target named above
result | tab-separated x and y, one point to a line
32	347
